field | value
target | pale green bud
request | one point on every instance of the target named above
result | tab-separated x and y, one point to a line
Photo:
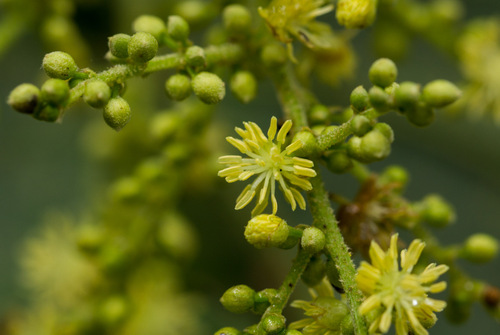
59	65
319	114
360	125
406	96
436	211
480	248
383	72
238	299
150	24
118	45
208	87
359	99
273	324
313	240
178	87
177	28
356	13
117	113
338	161
421	116
266	230
372	147
48	113
142	47
97	93
273	54
440	93
309	143
244	86
236	18
228	331
55	92
314	272
195	56
24	98
379	99
385	129
335	311
394	175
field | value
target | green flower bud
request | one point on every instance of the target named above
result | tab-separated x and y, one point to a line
24	98
59	65
90	238
383	72
228	331
273	323
319	114
125	190
238	299
406	96
480	248
308	141
142	47
48	113
293	332
356	13
314	272
177	28
118	45
178	87
273	55
177	236
394	175
55	92
313	240
338	161
208	87
266	230
421	116
385	129
360	125
244	86
195	12
372	147
117	113
334	312
195	56
359	99
440	93
333	274
436	211
236	18
263	300
97	93
379	99
150	24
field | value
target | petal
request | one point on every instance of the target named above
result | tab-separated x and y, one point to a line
299	198
230	159
293	147
303	162
244	199
410	258
371	303
283	131
238	144
273	127
302	171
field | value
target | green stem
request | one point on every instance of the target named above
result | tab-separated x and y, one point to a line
289	94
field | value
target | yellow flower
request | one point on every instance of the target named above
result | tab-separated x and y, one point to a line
270	164
400	294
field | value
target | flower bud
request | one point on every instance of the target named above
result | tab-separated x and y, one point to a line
208	87
178	87
266	230
195	56
334	312
421	116
236	18
24	98
118	45
374	146
273	54
238	299
314	272
59	65
150	24
48	113
55	91
244	86
228	331
293	332
356	13
308	141
360	125
338	161
117	113
359	99
263	300
385	129
383	72
406	96
313	240
319	114
177	28
480	248
379	99
333	274
436	211
142	47
273	323
90	238
440	93
394	175
97	93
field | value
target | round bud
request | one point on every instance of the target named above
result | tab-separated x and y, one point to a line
55	91
118	45
208	87
356	13
436	211
421	116
385	129
59	65
24	98
244	86
196	12
150	24
480	248
313	240
406	96
266	230
48	113
177	28
90	238
273	55
335	311
338	161
360	125
273	323
178	87
440	93
372	147
228	331
195	56
238	299
97	93
394	175
117	113
308	141
142	47
236	18
319	114
379	99
126	189
383	72
314	272
359	99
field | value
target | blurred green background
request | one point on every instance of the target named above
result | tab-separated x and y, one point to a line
45	166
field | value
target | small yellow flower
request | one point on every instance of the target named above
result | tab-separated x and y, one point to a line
270	164
400	294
